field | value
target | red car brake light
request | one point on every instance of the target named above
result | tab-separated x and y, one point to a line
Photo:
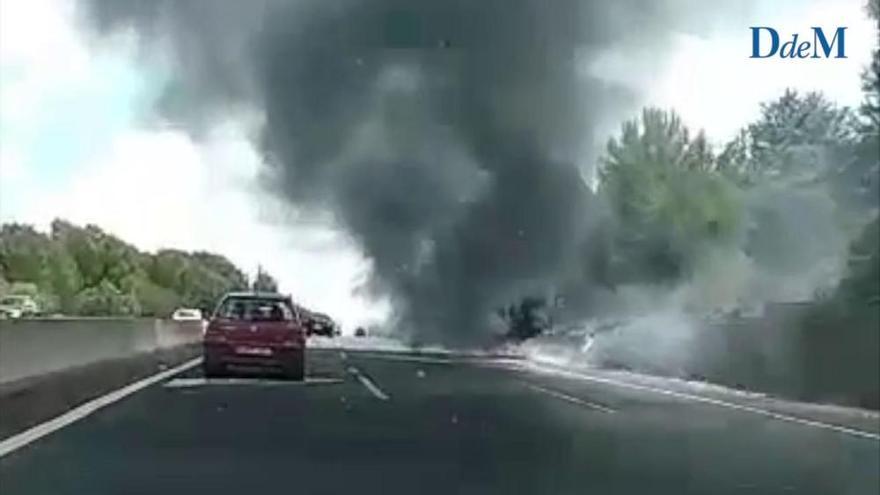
214	338
214	333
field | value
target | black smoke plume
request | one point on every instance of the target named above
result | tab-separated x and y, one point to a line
450	138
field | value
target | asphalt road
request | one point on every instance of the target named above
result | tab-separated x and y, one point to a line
370	424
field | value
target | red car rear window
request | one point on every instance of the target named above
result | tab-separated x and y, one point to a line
254	309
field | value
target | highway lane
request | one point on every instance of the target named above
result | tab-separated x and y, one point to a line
442	427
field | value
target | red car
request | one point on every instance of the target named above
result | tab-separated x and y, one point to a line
255	330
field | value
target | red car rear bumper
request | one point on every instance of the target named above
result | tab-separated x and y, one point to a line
227	354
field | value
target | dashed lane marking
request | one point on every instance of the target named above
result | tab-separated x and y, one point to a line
411	359
252	382
368	384
569	398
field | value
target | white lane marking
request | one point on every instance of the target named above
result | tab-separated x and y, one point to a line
471	360
255	382
33	434
569	398
368	384
412	359
708	400
343	355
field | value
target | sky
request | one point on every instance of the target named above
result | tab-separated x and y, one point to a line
154	186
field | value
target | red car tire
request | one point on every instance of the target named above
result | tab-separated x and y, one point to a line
212	368
294	367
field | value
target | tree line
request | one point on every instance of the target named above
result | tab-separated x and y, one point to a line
672	199
85	271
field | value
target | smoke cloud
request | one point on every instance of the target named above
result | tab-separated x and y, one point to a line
449	138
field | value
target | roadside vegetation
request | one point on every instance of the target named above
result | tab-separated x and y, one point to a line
85	271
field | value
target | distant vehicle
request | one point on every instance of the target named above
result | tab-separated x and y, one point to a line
186	314
255	330
321	324
9	313
17	306
360	332
317	323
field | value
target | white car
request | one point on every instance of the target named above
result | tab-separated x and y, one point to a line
187	314
16	306
12	313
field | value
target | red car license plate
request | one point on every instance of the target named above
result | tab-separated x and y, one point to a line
253	351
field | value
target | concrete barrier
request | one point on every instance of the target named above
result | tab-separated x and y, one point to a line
32	347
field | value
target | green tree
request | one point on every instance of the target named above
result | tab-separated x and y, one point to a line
105	299
88	257
24	254
864	175
870	108
121	260
220	265
200	278
202	287
167	267
264	282
153	299
666	197
82	246
65	280
796	136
